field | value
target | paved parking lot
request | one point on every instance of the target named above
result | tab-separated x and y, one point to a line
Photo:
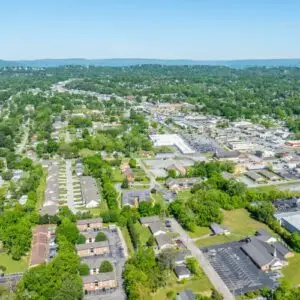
236	269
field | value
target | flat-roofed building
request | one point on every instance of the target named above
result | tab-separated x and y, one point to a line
171	140
94	224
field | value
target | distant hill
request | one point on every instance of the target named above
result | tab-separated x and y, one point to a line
122	62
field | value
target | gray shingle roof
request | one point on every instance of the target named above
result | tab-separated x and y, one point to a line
181	270
89	221
156	227
162	240
92	245
99	277
148	220
89	189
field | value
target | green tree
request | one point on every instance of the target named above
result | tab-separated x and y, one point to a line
100	237
106	267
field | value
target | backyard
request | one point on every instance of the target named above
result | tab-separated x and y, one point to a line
239	223
13	266
200	286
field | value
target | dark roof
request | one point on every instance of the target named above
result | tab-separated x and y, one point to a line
185	295
258	251
181	270
99	277
130	196
182	255
92	245
227	154
89	221
217	228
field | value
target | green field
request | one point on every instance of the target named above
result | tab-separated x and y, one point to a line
199	231
143	233
117	176
127	240
292	271
13	266
200	286
239	223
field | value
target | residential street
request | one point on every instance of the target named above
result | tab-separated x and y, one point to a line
205	265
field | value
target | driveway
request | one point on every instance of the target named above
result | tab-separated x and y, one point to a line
213	276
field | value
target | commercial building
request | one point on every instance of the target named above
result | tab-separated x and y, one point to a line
171	140
89	191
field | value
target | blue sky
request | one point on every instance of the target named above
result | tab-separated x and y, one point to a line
195	29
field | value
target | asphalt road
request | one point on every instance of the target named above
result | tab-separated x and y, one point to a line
213	276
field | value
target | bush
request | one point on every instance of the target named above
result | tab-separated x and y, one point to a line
105	267
100	237
84	270
81	239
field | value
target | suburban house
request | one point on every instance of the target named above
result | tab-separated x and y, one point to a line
134	197
218	229
186	295
182	272
93	249
89	191
179	184
178	168
164	241
42	236
129	174
146	221
157	228
90	224
182	256
101	281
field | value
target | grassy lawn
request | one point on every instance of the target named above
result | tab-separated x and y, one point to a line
117	176
13	266
239	223
199	231
143	232
198	286
184	195
40	191
292	271
127	240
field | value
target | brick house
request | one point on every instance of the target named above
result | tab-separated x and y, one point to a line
90	224
93	249
101	281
